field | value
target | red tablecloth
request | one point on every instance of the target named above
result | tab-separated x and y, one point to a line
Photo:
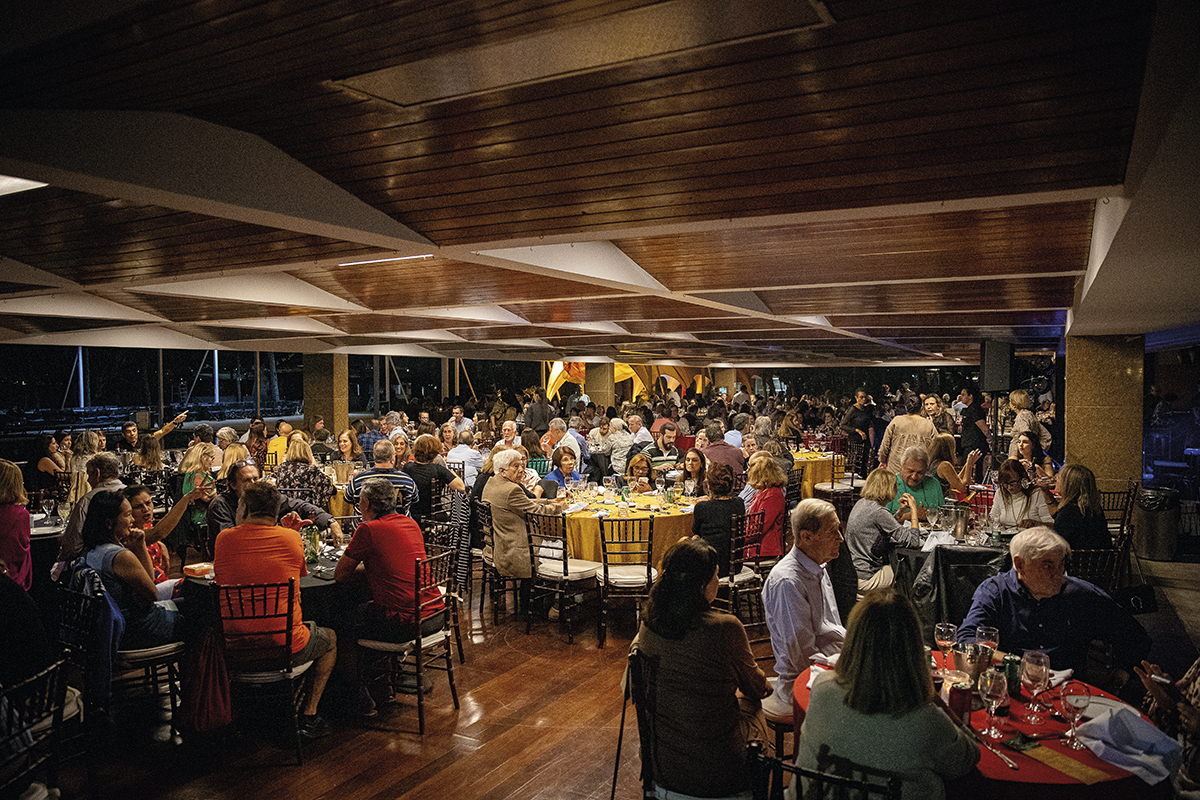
1034	779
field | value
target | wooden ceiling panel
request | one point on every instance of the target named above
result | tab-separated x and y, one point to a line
437	282
951	319
201	309
610	310
1032	239
1017	294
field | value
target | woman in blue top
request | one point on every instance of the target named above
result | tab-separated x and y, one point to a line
117	551
564	467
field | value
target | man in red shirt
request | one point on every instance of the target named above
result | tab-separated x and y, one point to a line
384	551
260	551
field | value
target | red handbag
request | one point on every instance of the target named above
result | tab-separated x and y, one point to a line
206	703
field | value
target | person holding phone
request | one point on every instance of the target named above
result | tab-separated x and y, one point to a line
1174	706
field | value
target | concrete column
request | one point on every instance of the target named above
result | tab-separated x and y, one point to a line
725	377
445	377
1103	407
327	390
600	386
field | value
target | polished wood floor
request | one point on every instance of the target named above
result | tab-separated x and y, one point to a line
539	719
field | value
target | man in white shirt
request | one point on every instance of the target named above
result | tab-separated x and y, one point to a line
802	612
460	422
508	432
472	459
741	397
640	432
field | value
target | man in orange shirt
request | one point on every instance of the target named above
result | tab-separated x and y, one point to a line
260	551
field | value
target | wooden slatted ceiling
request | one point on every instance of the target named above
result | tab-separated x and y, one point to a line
201	309
92	239
610	310
977	319
30	325
967	244
967	295
439	282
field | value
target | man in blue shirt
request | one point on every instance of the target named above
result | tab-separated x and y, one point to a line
1037	606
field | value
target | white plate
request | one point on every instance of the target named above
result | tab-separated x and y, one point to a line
1098	705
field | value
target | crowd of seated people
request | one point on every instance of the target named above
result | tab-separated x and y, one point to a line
740	443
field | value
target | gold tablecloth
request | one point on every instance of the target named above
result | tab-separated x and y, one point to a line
583	529
818	468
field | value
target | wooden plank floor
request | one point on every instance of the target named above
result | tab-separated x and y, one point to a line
539	719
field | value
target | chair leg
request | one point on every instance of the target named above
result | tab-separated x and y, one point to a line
462	659
420	692
602	619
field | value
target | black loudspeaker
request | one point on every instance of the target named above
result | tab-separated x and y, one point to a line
995	366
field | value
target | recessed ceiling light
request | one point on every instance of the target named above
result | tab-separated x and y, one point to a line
11	185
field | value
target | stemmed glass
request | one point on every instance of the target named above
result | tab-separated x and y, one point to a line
988	635
50	506
993	688
660	483
1075	699
689	486
610	483
1035	677
943	635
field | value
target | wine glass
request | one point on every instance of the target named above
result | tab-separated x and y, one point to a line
689	486
943	635
1075	699
1035	677
985	634
660	483
993	688
50	506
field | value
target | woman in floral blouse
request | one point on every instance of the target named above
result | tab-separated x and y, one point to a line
305	480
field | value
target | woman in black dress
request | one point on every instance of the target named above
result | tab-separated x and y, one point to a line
1079	518
712	519
975	430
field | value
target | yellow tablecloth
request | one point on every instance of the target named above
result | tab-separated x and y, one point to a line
818	468
583	530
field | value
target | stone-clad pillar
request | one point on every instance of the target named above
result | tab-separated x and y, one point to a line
725	378
1103	407
327	390
599	385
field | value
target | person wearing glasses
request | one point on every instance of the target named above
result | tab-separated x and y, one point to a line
912	480
293	513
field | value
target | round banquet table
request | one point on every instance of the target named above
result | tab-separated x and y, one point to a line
818	468
670	525
1034	779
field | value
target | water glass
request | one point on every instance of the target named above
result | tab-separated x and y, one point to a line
1075	699
944	634
1035	677
993	689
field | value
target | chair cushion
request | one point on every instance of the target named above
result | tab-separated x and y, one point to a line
132	658
746	574
578	569
271	676
627	575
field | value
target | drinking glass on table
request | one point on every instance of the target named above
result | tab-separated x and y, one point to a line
50	506
993	688
660	483
1035	677
689	486
610	482
985	634
1075	699
943	635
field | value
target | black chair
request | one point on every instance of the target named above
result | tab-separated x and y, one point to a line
31	721
491	581
795	487
744	578
556	574
433	579
627	546
253	617
818	783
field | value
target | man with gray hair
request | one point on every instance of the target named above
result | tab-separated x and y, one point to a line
389	426
103	475
384	454
802	612
741	424
557	437
913	480
383	552
1037	606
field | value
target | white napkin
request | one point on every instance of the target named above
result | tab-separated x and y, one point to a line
574	507
1122	738
813	672
1058	676
937	537
601	513
40	517
687	509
